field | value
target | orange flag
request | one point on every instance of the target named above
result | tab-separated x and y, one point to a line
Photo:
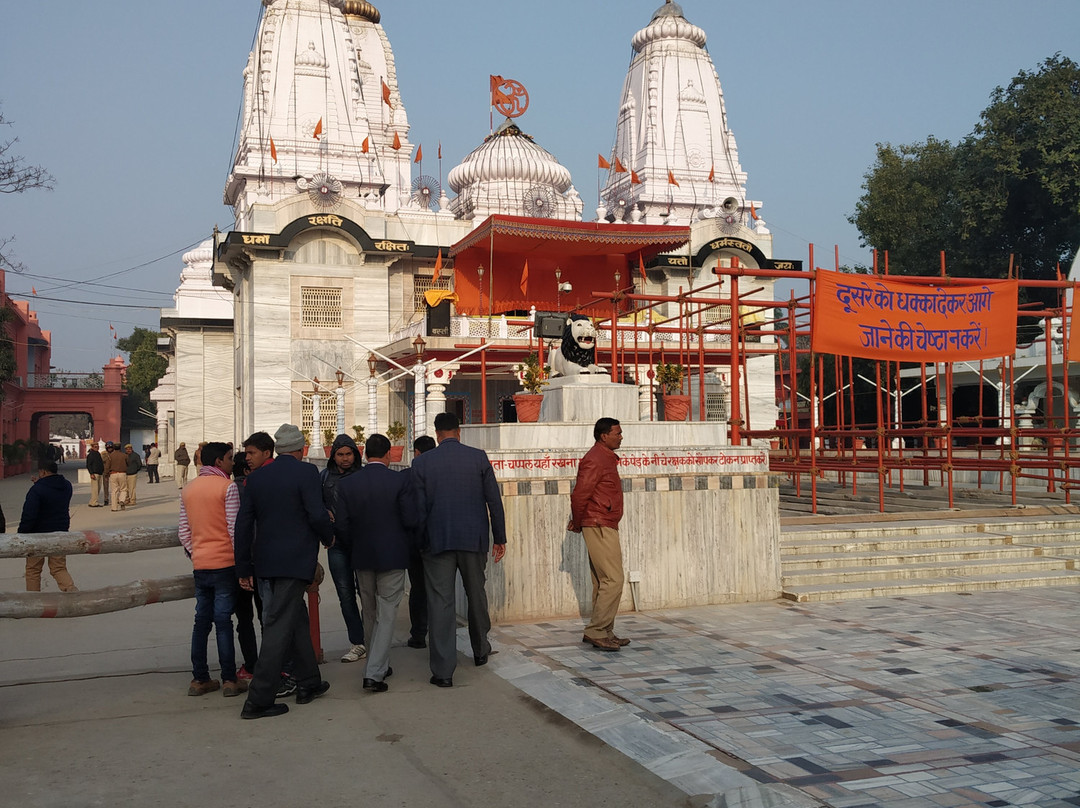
440	149
619	167
712	173
33	290
318	129
641	267
634	178
671	179
273	150
366	145
753	212
495	82
419	153
601	162
397	142
525	278
386	94
438	267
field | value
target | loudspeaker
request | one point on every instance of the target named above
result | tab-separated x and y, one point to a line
731	205
549	324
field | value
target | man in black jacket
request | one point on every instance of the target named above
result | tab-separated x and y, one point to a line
46	511
282	502
96	466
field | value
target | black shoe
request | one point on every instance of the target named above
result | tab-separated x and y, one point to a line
440	682
483	658
287	687
306	695
416	642
375	686
269	711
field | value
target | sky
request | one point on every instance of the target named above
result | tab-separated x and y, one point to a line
133	108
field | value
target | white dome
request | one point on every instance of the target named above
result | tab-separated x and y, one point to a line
669	23
510	174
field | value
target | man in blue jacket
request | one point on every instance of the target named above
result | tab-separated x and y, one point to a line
47	510
282	503
373	520
456	493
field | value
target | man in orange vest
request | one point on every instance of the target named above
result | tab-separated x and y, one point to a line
208	508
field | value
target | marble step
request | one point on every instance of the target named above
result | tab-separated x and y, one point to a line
929	586
924	571
889	529
917	555
819	546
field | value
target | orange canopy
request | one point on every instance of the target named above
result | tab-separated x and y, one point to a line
588	254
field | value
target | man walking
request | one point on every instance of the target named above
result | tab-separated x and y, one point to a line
373	520
456	494
208	509
46	510
116	468
282	503
344	461
418	612
596	506
152	461
183	460
96	466
134	465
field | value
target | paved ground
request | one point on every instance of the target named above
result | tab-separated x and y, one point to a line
945	700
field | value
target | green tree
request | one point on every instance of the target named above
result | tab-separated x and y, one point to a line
1010	188
145	369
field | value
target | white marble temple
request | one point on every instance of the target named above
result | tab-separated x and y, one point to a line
585	398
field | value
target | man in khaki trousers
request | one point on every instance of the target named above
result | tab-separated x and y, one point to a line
596	507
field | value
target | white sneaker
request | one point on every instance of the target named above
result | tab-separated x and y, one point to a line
354	654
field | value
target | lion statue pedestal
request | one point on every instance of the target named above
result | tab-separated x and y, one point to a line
586	397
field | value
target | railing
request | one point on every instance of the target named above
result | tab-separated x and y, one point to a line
65	381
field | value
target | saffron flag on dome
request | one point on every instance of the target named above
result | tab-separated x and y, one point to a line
397	142
712	173
440	149
318	129
634	178
671	179
753	212
601	162
366	145
386	94
438	267
495	81
525	278
33	291
419	153
641	266
619	167
273	149
913	319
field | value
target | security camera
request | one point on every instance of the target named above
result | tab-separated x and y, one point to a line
566	286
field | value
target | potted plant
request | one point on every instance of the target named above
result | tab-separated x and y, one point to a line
533	377
328	439
307	440
669	377
358	433
396	434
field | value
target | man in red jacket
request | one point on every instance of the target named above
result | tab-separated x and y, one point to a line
596	506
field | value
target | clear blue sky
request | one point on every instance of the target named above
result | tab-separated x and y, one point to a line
133	107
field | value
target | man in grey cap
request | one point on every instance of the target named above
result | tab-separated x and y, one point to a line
283	504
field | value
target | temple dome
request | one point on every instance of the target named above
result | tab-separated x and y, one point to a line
511	174
668	23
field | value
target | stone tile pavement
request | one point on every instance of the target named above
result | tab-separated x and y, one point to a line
942	700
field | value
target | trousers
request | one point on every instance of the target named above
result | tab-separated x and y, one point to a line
606	567
57	568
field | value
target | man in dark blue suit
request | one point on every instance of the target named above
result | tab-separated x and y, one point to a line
282	503
374	519
456	493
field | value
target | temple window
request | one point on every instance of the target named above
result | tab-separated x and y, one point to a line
320	307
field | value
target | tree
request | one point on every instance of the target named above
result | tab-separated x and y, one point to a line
145	369
15	177
1009	189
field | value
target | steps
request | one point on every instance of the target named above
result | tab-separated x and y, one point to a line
902	558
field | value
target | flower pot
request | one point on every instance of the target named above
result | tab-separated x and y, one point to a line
676	407
528	407
306	448
395	453
327	450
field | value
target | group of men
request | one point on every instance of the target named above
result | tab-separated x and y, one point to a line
114	476
433	521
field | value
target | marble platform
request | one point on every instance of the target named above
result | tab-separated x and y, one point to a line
585	398
700	526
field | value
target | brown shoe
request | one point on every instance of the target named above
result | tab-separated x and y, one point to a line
234	688
622	641
197	688
603	643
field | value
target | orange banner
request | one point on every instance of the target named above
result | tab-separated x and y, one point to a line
1074	330
911	320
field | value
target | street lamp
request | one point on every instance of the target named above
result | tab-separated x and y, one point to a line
372	362
558	288
418	345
